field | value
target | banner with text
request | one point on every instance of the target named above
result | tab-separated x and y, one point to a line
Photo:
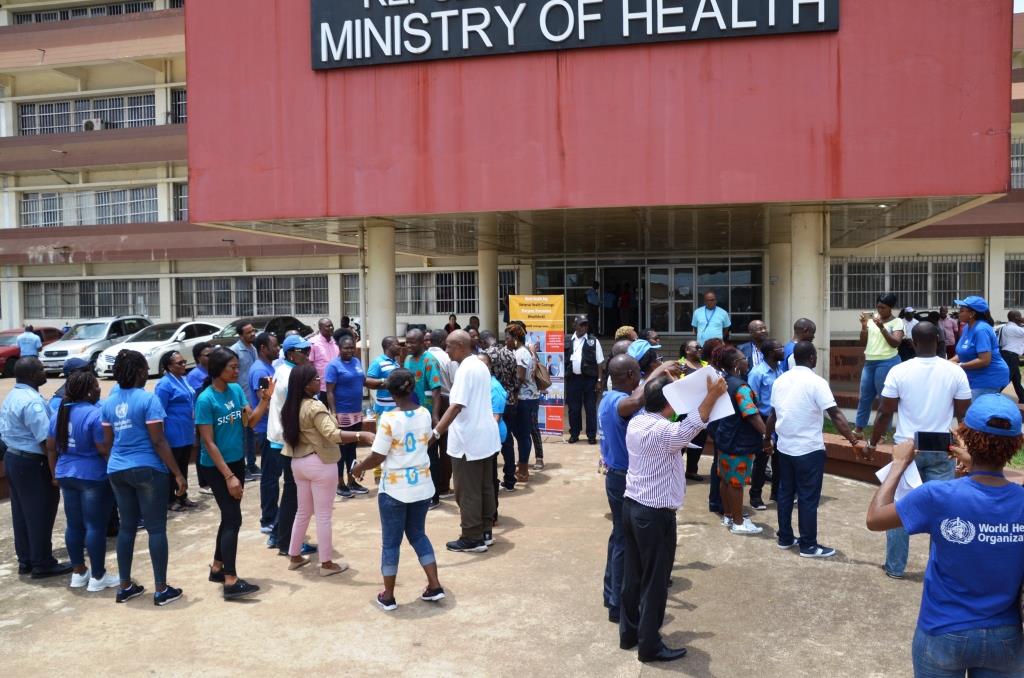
366	32
544	317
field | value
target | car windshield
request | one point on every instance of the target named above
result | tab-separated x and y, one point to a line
228	332
87	331
8	340
157	333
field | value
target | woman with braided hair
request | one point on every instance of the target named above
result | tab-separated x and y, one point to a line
140	467
77	454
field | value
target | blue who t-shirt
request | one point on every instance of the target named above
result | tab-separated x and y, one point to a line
178	400
613	429
81	459
347	378
498	397
259	370
222	411
981	338
127	411
976	562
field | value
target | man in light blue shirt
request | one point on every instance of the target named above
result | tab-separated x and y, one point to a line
246	353
760	380
29	343
24	427
710	320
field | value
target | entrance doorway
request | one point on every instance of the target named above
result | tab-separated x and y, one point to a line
671	292
622	283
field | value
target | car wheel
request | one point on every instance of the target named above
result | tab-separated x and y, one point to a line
93	360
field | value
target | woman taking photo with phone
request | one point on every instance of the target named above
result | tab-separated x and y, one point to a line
881	334
222	414
405	486
311	439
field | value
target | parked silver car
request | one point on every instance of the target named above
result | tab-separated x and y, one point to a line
88	338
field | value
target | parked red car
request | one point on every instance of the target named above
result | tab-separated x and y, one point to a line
9	352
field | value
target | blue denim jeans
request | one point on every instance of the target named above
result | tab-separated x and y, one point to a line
142	491
87	506
526	415
270	481
800	477
398	518
872	378
615	488
976	392
932	466
979	653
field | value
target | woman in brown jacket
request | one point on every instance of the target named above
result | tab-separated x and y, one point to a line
311	437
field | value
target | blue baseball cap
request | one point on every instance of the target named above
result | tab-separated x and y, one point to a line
974	303
994	406
75	365
292	342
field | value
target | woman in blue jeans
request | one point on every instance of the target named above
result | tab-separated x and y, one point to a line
405	486
881	334
528	396
139	468
78	460
970	622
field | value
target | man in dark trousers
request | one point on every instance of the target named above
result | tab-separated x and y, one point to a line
584	375
655	485
753	350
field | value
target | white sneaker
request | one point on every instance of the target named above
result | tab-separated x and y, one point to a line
747	527
727	521
79	580
108	581
205	490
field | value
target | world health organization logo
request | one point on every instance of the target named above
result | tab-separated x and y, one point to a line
957	530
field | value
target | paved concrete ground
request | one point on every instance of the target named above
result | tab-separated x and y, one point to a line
530	606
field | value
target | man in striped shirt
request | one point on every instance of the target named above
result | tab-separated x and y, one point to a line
655	485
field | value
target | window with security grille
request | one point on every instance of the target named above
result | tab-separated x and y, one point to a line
68	115
179	106
41	209
1014	281
413	293
507	284
80	208
91	298
456	292
175	4
921	282
69	13
181	202
251	295
350	294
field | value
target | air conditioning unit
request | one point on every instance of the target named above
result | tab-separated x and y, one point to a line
92	124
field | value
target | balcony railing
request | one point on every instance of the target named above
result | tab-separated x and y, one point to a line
1016	162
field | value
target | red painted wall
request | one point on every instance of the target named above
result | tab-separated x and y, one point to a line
908	98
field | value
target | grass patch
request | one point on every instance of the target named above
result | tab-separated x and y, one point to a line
1018	459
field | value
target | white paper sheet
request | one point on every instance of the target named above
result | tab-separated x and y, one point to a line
911	479
686	395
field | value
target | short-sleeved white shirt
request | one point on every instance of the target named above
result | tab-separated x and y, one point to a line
402	437
474	433
926	388
1012	335
800	398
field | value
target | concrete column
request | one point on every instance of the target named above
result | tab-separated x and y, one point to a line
526	278
487	272
380	285
167	311
808	292
995	276
11	309
780	286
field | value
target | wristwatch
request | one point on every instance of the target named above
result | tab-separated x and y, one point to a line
436	434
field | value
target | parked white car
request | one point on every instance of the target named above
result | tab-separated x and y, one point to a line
156	341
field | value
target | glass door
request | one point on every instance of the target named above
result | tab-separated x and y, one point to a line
670	297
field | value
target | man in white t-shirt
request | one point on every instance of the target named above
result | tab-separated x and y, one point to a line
927	391
800	399
472	441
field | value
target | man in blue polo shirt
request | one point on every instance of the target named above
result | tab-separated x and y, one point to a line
761	379
711	320
617	407
24	427
266	350
380	368
29	343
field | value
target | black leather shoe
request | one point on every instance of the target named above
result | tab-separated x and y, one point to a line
592	441
24	569
55	570
665	654
573	439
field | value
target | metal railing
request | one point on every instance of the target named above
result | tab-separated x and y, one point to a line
1016	162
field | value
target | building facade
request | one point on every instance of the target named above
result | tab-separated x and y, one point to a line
795	175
